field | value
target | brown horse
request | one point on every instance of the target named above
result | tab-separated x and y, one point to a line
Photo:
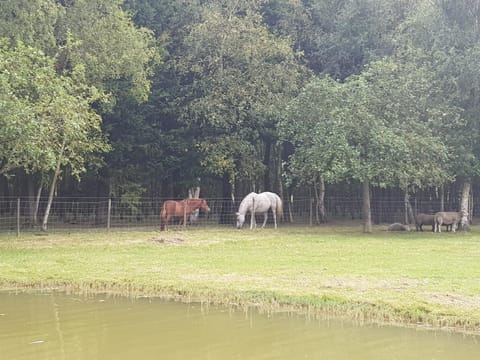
180	209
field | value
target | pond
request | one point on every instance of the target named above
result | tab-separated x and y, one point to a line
56	326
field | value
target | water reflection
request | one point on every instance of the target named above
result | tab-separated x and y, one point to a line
55	326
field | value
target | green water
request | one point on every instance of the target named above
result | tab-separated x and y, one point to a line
56	326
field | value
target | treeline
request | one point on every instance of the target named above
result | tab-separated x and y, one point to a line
151	98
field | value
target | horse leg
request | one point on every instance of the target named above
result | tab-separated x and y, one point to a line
166	222
275	219
265	218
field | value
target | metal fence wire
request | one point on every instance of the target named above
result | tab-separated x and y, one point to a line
20	214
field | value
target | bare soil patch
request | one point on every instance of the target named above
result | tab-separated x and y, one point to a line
167	241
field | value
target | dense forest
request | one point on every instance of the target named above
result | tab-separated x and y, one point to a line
150	98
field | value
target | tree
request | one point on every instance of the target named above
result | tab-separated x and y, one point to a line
61	128
237	78
374	128
100	36
338	38
448	32
25	88
117	57
32	22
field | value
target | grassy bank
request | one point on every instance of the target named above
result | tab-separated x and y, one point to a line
407	278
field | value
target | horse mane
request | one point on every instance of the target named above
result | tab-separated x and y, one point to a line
246	203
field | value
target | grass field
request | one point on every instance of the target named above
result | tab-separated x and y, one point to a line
409	278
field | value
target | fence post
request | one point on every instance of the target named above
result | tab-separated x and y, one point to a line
109	211
185	204
18	217
311	211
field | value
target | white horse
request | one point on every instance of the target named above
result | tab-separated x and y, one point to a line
259	204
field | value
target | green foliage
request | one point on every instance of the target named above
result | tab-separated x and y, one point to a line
448	32
228	70
32	22
48	118
114	52
232	155
240	76
131	197
338	38
378	126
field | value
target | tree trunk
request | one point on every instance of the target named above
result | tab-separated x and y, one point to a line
367	214
279	177
37	203
56	174
50	200
194	193
227	205
50	197
464	202
31	197
442	197
320	195
267	184
470	209
409	218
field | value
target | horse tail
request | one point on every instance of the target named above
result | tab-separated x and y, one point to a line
279	208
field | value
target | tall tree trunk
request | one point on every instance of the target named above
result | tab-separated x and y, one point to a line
320	195
464	201
50	197
470	209
267	184
194	193
442	197
280	184
228	198
286	191
409	218
37	202
367	214
56	174
31	197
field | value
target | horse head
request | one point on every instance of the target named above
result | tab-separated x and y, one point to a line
204	205
240	220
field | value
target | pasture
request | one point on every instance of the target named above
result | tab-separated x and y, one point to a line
407	278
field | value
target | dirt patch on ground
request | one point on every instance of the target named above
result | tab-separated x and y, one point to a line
364	284
462	301
167	241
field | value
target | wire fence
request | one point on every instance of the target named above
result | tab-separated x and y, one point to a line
26	214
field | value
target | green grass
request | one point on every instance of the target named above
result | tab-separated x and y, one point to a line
403	278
